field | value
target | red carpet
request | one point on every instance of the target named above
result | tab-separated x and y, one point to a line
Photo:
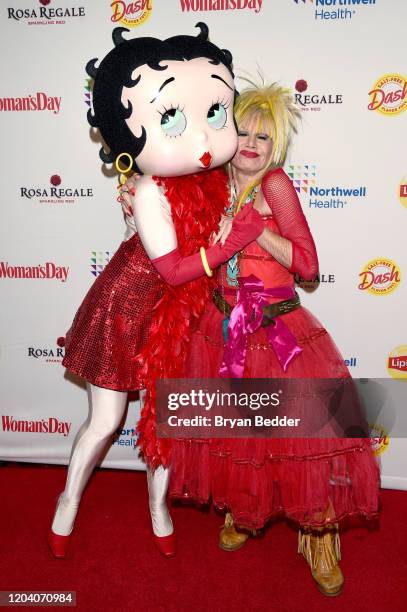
113	566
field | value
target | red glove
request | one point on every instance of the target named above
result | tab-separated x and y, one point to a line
176	270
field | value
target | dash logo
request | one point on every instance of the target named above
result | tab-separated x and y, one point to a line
380	277
389	95
131	14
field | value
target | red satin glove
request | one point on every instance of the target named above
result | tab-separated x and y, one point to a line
176	270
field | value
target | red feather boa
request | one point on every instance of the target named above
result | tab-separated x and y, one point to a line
197	202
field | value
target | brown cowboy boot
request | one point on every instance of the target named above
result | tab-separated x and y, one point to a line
322	550
229	538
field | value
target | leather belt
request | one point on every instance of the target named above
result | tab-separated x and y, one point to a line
269	312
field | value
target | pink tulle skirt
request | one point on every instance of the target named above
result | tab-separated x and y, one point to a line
311	481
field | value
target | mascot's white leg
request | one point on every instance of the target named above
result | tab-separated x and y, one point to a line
157	481
157	491
106	411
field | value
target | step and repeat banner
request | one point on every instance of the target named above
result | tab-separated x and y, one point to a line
345	62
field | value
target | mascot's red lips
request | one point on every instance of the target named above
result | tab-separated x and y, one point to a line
206	159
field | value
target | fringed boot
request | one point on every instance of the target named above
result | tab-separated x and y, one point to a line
229	538
322	550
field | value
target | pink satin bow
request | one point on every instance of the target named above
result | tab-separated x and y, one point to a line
246	317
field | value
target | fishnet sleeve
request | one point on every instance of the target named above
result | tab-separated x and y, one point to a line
285	206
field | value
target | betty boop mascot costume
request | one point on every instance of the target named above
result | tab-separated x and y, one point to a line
166	109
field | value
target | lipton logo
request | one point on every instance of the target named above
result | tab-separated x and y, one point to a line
131	14
403	192
380	277
397	362
389	95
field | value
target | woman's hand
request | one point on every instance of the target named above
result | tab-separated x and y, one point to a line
126	192
225	227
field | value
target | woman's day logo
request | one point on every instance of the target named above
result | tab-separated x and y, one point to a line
131	14
389	95
380	277
397	362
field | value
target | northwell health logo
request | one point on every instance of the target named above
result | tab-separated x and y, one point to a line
304	180
98	261
343	10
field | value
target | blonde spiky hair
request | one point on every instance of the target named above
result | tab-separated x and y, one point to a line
277	116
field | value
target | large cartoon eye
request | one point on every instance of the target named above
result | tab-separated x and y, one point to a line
173	122
217	116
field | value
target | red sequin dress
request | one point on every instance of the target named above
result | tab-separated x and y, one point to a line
113	321
258	479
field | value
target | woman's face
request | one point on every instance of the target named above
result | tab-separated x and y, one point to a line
254	147
187	112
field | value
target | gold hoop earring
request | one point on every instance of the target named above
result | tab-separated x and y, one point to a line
122	171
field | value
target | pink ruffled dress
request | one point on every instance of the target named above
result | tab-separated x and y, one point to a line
261	478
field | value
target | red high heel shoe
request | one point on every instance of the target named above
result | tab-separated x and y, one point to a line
166	544
58	544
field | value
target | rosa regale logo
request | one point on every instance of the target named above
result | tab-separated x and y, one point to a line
48	354
56	194
397	362
301	85
313	101
380	277
379	438
403	192
45	14
389	95
131	14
